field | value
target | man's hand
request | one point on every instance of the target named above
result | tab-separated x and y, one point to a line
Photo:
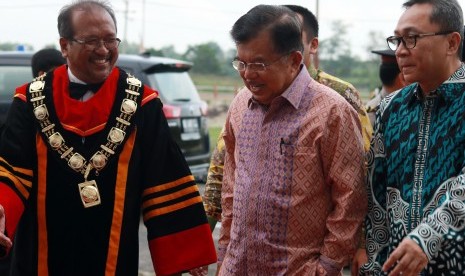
201	271
218	267
5	242
407	259
360	259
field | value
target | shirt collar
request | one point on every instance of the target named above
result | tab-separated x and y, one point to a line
73	78
442	92
294	93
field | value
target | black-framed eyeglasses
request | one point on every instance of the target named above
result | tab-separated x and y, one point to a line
255	66
409	41
94	43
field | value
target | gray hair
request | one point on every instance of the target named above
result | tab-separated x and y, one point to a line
65	26
282	24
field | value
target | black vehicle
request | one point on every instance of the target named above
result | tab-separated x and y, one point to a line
183	108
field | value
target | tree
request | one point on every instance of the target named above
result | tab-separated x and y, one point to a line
206	57
336	57
154	52
129	48
376	41
230	55
170	51
337	44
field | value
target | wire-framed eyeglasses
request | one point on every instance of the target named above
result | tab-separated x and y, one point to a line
409	41
94	43
255	66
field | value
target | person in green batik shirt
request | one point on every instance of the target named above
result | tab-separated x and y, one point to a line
416	182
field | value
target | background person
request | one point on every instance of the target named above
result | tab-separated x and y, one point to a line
46	60
293	196
391	80
310	30
415	222
77	172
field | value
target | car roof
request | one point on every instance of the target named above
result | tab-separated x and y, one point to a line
145	61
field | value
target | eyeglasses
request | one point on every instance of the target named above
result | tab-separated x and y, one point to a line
409	41
94	43
254	67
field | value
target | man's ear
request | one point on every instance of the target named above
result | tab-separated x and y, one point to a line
64	46
296	58
454	43
314	46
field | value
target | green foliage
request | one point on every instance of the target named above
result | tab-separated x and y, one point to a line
206	57
212	79
377	41
154	52
362	74
337	45
214	133
336	59
170	51
209	58
129	48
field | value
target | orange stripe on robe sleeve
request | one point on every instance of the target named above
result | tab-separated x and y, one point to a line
149	94
183	250
42	268
21	91
13	207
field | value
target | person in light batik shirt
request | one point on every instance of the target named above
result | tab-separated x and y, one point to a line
212	194
293	194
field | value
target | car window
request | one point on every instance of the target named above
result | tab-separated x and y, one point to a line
12	76
174	86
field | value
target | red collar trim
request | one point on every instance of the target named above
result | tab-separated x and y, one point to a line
83	118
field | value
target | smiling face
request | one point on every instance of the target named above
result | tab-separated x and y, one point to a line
427	62
278	75
90	66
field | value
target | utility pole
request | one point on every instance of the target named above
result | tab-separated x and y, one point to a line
316	60
125	35
142	35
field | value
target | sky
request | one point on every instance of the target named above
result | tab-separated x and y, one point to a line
159	23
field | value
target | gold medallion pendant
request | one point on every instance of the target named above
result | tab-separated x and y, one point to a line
88	190
90	195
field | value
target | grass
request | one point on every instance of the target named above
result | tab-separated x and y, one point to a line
205	79
214	132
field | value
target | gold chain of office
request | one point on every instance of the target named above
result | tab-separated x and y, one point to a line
115	135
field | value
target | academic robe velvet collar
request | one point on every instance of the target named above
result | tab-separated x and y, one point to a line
83	118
